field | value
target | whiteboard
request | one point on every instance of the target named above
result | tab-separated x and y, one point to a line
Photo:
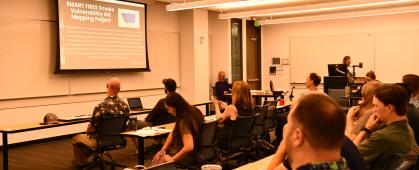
313	54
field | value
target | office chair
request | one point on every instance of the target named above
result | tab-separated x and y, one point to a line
108	138
270	121
397	162
239	139
207	151
259	130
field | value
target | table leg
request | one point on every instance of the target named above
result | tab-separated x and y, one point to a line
5	152
140	151
207	111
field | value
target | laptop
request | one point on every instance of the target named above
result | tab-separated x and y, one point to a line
135	104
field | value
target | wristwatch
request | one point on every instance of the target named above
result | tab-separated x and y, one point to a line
366	130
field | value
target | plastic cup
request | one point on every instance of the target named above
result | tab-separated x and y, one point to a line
211	167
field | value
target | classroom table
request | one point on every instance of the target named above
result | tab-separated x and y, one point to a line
37	126
257	94
258	165
140	137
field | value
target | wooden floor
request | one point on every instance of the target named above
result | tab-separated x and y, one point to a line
57	155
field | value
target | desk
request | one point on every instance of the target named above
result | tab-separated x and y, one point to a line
140	143
260	164
37	126
259	94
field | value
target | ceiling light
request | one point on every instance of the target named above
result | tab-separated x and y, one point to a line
346	15
314	8
218	4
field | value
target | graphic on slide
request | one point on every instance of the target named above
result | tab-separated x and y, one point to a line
128	18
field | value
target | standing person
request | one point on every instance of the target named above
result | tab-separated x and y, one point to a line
222	87
358	116
412	81
183	136
347	61
111	105
378	143
242	105
313	136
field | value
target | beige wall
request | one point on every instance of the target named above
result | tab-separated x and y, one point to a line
218	29
276	39
164	41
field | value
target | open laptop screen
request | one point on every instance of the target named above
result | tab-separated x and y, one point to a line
135	103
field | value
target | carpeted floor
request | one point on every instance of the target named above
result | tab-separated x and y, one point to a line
57	155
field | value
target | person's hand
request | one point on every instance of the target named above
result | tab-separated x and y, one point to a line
167	158
372	122
159	155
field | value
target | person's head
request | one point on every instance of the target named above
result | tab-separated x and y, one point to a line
169	85
177	106
370	76
367	93
313	80
221	76
412	81
241	94
390	100
316	123
347	60
113	86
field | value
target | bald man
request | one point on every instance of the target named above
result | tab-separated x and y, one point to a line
111	105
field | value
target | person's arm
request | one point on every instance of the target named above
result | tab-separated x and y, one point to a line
188	146
281	153
166	145
157	109
228	111
369	127
350	121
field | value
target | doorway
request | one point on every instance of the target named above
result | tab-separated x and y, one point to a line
253	57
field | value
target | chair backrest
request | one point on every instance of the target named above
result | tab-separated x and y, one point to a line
336	94
164	166
396	162
109	129
206	150
259	125
240	134
270	121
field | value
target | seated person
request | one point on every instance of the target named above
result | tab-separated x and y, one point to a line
412	81
358	115
111	105
184	134
378	143
313	80
222	87
242	104
370	76
313	136
159	115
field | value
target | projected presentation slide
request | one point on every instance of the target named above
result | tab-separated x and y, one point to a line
102	34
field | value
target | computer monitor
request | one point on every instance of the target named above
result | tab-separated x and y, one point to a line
337	69
135	103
